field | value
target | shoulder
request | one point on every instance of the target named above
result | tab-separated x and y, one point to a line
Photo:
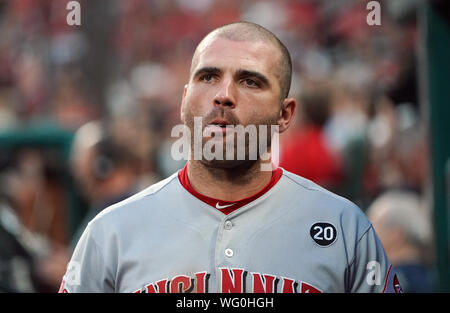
323	203
137	202
314	190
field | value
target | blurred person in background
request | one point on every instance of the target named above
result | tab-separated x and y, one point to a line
404	229
307	152
21	249
39	193
32	218
397	139
345	129
70	107
105	171
15	260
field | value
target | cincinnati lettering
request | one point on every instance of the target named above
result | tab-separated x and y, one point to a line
232	280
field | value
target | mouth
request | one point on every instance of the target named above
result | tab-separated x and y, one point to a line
219	123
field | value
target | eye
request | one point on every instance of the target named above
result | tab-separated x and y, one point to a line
206	78
251	83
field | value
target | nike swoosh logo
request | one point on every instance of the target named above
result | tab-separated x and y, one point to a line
221	207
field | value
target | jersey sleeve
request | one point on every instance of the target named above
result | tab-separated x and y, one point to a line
87	271
371	271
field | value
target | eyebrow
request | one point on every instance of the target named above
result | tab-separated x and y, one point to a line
239	73
246	73
207	70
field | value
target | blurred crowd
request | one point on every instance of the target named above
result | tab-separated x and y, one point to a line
115	82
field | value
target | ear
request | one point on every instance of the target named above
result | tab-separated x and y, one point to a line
183	99
287	114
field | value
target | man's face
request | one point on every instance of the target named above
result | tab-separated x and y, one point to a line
233	82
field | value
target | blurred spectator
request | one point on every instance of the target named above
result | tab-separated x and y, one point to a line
396	140
105	171
306	152
38	191
21	250
404	229
35	226
349	105
69	105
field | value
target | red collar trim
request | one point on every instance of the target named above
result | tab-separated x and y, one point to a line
226	207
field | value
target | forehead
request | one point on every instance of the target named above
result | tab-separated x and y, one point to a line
230	54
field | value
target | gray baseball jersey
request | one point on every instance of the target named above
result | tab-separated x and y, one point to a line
293	237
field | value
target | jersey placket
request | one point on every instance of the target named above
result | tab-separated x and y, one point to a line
226	251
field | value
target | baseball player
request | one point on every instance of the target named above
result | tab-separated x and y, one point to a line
225	225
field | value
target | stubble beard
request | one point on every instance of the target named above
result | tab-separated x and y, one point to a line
235	163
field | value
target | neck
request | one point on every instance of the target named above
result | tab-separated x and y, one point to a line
229	184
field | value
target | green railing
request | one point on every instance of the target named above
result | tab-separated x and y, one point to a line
436	31
41	136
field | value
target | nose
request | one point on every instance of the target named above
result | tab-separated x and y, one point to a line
226	95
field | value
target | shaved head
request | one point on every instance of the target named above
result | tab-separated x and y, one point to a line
246	31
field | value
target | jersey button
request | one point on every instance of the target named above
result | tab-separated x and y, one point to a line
228	225
229	253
